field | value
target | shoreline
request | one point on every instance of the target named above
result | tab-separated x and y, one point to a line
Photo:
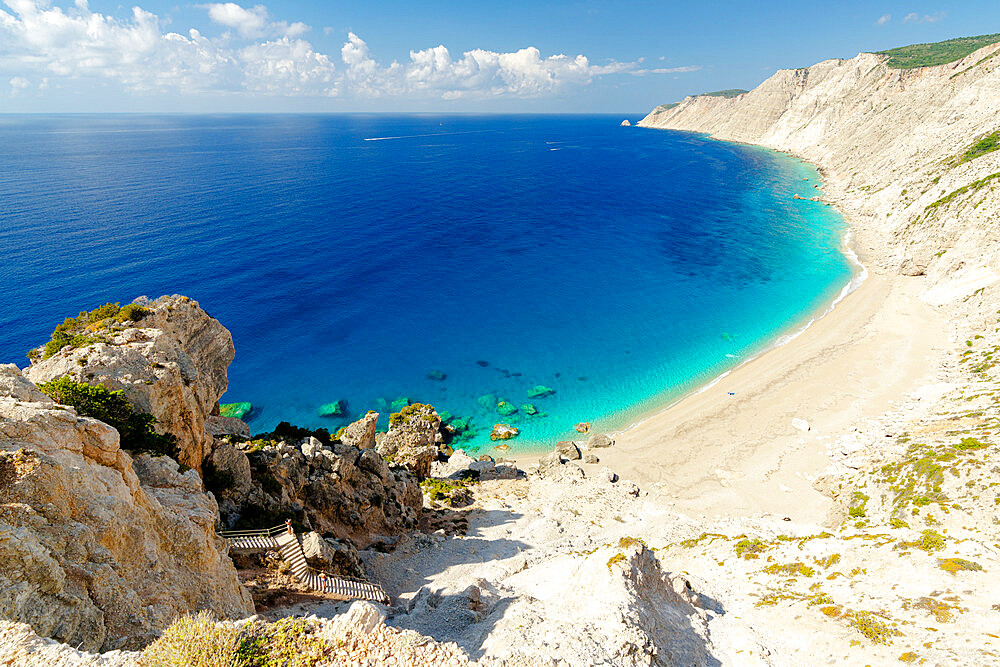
524	456
855	359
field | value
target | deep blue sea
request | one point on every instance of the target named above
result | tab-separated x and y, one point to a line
353	255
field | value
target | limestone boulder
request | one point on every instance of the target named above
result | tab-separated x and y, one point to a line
568	450
218	425
361	434
338	557
100	551
599	440
171	364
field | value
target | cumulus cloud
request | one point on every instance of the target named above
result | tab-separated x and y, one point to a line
914	17
253	22
258	55
882	20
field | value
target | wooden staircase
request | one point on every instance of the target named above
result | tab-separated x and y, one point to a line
286	543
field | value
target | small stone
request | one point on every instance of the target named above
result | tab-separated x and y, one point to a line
591	458
583	427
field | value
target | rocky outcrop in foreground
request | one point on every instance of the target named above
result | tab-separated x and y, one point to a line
170	363
336	490
100	551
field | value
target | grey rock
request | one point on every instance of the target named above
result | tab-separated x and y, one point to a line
361	434
550	460
218	425
337	491
598	440
568	450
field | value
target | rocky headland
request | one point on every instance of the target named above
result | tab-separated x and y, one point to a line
835	501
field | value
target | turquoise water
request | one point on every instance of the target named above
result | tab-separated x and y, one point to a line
361	257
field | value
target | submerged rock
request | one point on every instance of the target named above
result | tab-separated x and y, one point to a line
529	409
400	403
506	409
235	410
334	409
438	376
540	391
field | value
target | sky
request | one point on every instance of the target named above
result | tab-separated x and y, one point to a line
530	56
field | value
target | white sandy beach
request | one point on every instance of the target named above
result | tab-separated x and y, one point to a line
713	453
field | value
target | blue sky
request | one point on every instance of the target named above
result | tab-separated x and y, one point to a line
293	55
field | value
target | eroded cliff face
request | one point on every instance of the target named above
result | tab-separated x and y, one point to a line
891	143
171	364
97	550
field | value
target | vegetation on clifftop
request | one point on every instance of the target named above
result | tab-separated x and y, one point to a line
937	53
85	329
112	408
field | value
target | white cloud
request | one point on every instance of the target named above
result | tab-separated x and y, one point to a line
882	20
260	56
913	17
249	22
253	22
18	84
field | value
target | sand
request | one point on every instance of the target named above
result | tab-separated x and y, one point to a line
713	453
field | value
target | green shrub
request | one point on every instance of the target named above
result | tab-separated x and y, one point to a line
194	641
408	411
133	312
937	53
290	642
80	331
987	144
290	432
112	408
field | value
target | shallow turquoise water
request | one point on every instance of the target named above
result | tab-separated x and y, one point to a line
352	256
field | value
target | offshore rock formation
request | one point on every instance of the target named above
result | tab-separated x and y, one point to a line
99	551
336	490
893	146
172	365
